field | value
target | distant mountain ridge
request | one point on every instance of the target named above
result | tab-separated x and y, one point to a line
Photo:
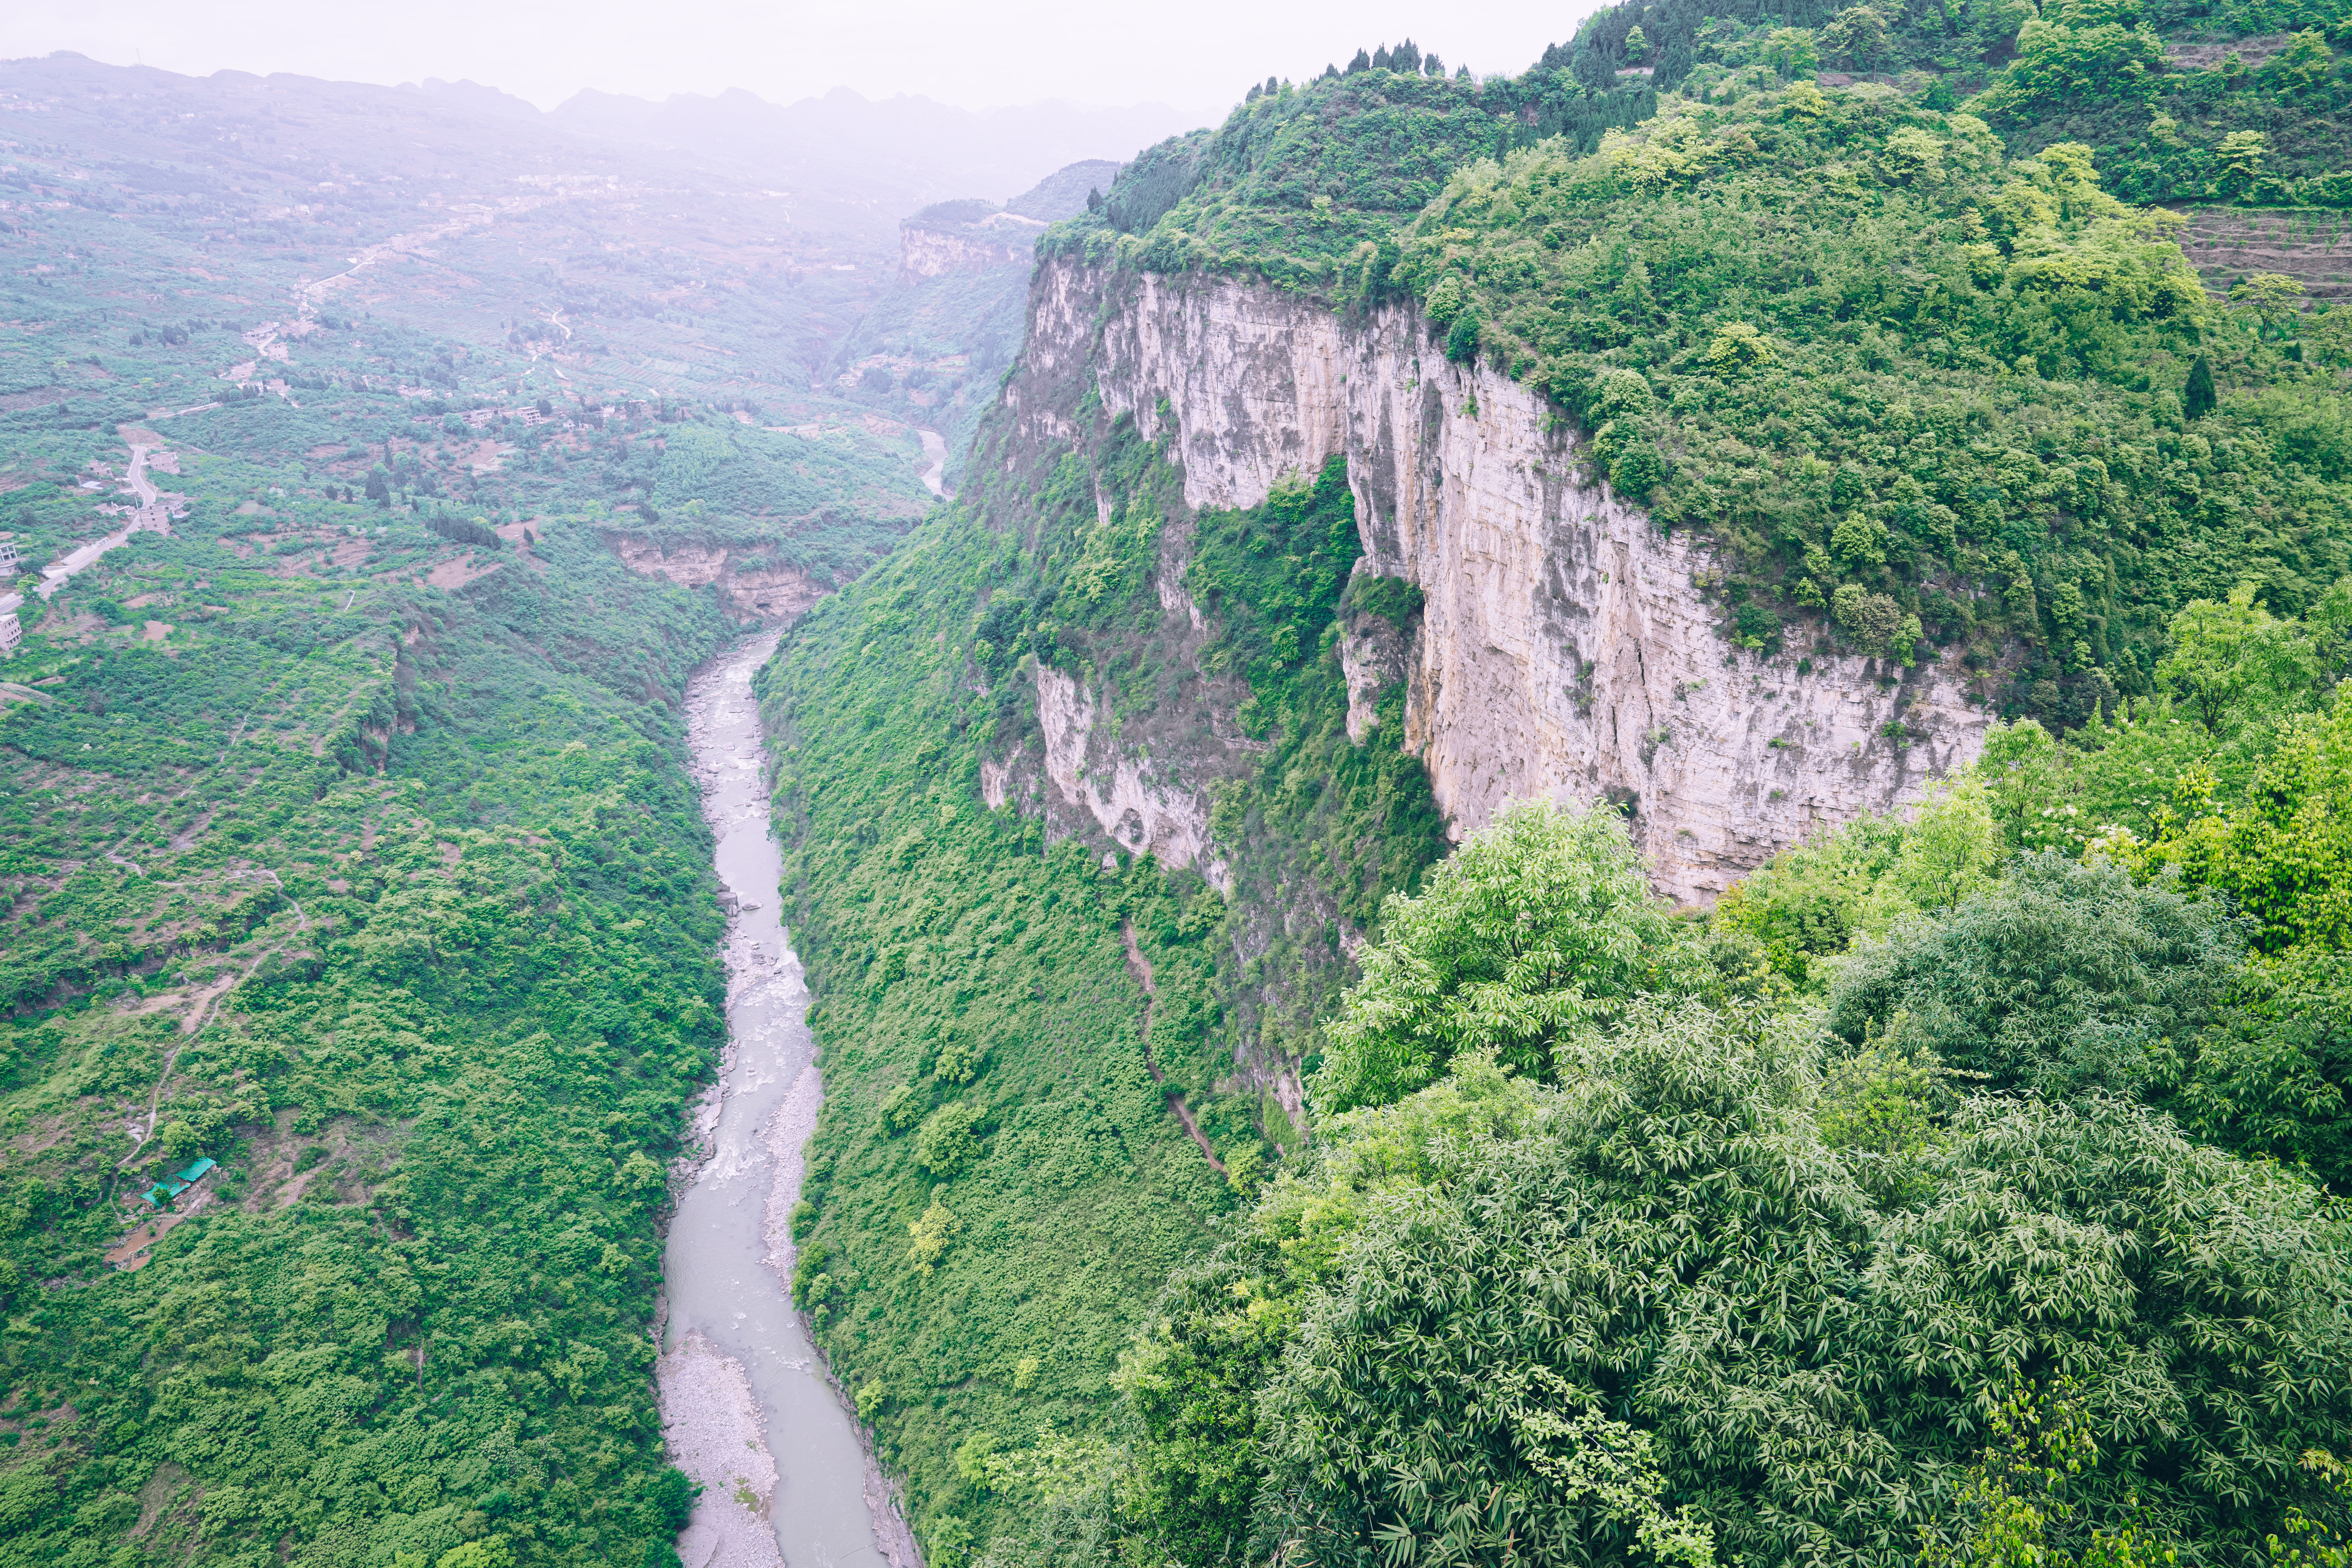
868	163
933	151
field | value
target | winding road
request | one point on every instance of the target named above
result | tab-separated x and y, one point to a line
151	516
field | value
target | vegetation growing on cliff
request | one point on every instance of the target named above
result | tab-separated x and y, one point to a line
1969	1131
1922	394
2260	120
1305	186
1896	379
2180	99
966	971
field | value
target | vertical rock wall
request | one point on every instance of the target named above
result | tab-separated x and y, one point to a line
1566	647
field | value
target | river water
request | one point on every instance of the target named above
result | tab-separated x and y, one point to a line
746	1409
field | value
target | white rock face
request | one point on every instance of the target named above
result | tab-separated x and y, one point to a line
1566	649
758	585
1137	812
934	253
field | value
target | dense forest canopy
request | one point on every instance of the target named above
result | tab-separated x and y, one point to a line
1949	1189
1929	391
1963	1188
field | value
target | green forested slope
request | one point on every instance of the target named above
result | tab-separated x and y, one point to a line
1301	185
997	1180
1892	378
399	911
994	1177
1951	1193
2186	107
1965	1188
1937	397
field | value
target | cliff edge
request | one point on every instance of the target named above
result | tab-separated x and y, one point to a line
1566	647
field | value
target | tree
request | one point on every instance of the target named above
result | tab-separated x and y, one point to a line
1950	848
2327	335
2060	978
2272	1081
1537	927
1594	71
2271	300
1362	62
1737	349
1858	35
2325	1541
1877	622
2074	64
1809	901
946	1142
1191	1384
1449	298
2284	853
1790	52
2242	163
2018	1508
1637	45
670	1495
2198	399
2234	662
1665	1241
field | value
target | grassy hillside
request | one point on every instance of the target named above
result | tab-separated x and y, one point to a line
393	902
345	841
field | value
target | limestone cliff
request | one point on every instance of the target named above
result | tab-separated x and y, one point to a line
1566	648
757	585
928	250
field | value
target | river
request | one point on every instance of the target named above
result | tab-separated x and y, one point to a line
746	1409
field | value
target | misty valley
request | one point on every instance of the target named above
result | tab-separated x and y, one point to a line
1592	815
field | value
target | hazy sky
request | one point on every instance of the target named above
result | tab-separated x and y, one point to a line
977	53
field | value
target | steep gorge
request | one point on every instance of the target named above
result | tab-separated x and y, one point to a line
1243	607
1373	460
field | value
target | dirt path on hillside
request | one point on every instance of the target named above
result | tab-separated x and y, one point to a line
1140	967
